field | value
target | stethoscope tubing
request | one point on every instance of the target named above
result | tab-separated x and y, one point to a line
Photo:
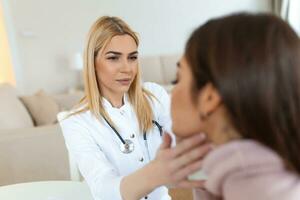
160	128
116	132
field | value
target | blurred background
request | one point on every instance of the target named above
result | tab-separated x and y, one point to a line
41	39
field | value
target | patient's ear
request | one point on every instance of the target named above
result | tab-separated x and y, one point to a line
208	100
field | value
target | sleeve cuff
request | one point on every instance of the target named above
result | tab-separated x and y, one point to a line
110	189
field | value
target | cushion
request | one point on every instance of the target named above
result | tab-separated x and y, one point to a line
13	113
68	101
151	69
169	67
42	108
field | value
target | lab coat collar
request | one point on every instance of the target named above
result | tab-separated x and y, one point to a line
107	105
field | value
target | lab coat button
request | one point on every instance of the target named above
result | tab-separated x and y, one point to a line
146	197
141	159
132	136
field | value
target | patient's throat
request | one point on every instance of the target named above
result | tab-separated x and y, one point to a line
224	135
220	128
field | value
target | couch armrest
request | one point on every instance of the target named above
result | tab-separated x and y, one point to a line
33	154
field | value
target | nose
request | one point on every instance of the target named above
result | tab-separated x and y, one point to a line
126	66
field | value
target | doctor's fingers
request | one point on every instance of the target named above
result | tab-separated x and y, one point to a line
166	141
190	157
188	143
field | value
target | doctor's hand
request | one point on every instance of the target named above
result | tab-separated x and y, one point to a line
173	165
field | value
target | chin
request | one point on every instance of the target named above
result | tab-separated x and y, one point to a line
185	129
124	89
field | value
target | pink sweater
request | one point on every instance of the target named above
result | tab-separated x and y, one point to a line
246	170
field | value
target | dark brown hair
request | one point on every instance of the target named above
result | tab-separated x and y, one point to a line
253	60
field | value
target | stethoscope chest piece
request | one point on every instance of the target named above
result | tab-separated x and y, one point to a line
128	147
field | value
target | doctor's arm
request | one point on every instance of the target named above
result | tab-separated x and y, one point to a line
170	167
101	176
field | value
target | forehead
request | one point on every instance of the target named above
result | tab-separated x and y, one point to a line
121	43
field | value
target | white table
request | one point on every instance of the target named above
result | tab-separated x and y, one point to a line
46	190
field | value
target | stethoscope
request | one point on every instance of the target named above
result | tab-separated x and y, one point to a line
127	145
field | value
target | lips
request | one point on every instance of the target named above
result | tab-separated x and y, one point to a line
125	81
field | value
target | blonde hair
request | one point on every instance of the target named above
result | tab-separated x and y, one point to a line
100	34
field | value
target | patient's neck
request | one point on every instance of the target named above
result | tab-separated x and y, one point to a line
220	129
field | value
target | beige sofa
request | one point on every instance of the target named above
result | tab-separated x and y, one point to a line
31	144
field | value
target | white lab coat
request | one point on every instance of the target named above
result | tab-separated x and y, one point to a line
95	147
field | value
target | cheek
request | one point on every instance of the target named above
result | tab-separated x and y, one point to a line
179	109
105	74
135	68
185	118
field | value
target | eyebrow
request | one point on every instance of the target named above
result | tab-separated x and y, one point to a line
119	53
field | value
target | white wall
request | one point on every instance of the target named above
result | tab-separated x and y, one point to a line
47	33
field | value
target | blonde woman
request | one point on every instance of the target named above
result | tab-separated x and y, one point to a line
116	133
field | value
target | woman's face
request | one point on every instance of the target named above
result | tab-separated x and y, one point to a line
185	114
116	66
